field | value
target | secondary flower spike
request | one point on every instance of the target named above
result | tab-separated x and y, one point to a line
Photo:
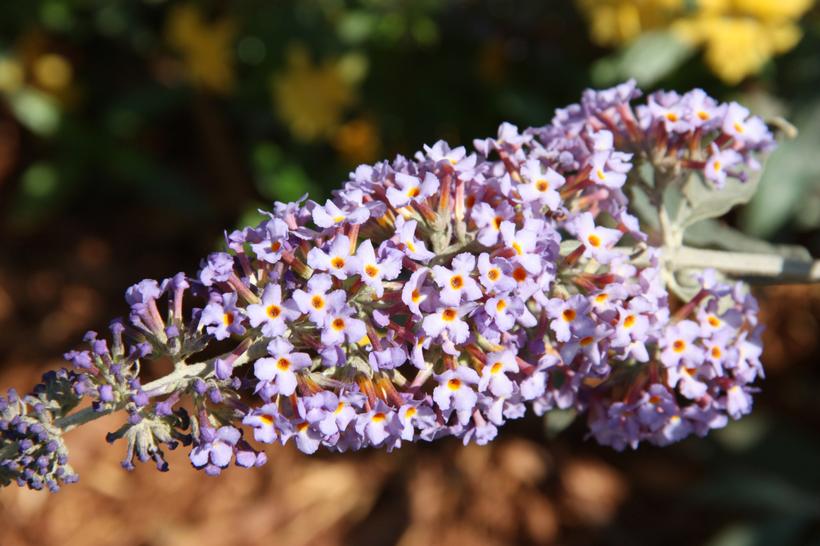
439	295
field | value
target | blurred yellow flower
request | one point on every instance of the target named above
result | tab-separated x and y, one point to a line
11	75
739	36
616	22
357	141
206	47
736	47
52	71
311	99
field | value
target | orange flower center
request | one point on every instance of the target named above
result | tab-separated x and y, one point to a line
274	311
283	364
542	185
371	270
338	262
338	323
228	319
569	315
519	274
594	240
266	419
496	368
679	346
317	302
454	384
456	282
629	321
449	314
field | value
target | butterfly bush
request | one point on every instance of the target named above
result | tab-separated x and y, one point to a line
433	296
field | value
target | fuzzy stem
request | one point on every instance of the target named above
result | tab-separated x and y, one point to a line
164	385
771	267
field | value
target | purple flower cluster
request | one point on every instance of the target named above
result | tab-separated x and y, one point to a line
700	378
440	295
691	131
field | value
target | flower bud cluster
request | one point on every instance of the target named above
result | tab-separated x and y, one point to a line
32	451
441	295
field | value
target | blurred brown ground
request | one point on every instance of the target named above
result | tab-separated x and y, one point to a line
522	489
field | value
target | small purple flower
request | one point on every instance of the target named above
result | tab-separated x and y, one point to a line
568	316
718	162
274	241
263	421
738	401
448	321
702	110
494	376
340	324
414	294
223	319
489	219
522	242
316	302
411	189
455	391
276	373
414	416
741	127
414	248
331	215
457	283
687	380
143	292
271	313
607	172
373	271
678	342
494	276
215	449
331	413
337	260
217	268
375	424
540	185
598	241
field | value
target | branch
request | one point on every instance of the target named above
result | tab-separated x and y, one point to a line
772	267
164	385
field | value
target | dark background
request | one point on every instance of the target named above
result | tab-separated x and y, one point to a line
133	133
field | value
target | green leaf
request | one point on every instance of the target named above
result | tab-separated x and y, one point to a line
791	173
648	59
702	200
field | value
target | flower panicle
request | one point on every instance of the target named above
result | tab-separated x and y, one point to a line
439	295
